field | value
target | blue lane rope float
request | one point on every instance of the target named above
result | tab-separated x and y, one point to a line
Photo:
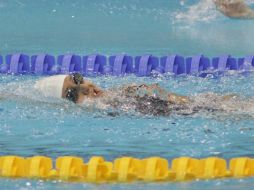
125	169
122	64
94	64
17	63
145	64
42	64
68	63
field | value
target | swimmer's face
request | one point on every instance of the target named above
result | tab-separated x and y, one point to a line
76	89
71	89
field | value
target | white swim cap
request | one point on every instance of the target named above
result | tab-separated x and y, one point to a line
51	86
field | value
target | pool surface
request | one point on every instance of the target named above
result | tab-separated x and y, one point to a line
113	26
33	125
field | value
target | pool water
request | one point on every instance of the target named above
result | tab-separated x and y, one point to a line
113	26
33	125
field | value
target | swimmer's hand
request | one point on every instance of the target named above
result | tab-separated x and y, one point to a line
177	99
229	97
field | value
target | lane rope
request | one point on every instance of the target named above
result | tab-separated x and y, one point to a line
124	169
122	64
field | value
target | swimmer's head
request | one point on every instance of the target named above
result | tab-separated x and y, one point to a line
51	86
72	95
61	86
77	78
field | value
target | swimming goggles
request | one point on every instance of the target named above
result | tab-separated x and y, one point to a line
77	78
72	93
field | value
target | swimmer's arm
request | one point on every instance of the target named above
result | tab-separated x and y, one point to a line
229	97
177	99
236	9
172	97
250	14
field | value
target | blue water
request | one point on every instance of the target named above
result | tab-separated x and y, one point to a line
113	26
32	125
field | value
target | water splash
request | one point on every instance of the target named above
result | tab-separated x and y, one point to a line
203	100
203	11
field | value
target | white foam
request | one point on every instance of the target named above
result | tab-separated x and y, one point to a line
203	11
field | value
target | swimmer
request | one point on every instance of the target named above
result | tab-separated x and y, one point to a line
79	91
146	99
234	8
